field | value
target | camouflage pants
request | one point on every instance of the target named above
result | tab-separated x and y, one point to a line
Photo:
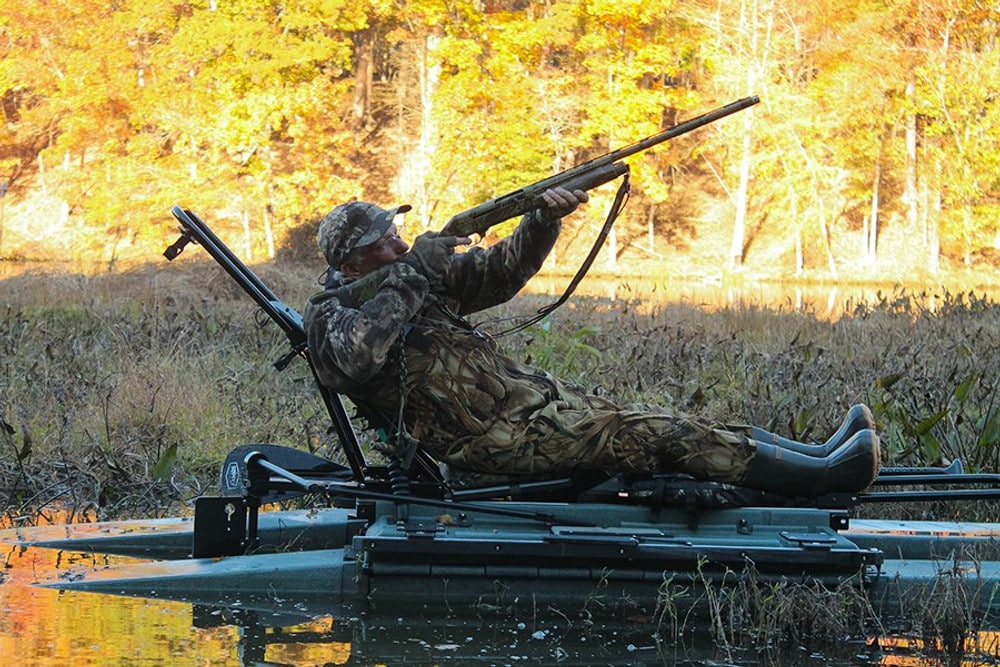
474	408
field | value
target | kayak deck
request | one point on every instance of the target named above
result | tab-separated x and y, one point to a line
172	538
393	547
371	556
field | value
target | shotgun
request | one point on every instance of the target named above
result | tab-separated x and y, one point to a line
600	170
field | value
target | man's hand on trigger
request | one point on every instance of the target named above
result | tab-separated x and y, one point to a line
431	254
560	202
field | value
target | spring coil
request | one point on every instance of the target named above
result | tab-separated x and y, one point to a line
399	481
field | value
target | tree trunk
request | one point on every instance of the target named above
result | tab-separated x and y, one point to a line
910	177
799	254
966	235
871	227
267	199
269	233
824	232
740	220
799	259
364	56
650	232
612	256
41	175
412	180
428	81
934	223
247	245
3	205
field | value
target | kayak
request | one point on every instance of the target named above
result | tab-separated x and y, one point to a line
381	536
383	550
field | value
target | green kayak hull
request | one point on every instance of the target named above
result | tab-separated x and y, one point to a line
331	561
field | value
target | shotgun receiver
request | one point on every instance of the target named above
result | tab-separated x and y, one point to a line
586	176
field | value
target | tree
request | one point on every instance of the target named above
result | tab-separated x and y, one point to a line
265	114
960	116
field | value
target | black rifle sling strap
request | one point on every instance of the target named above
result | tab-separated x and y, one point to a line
621	198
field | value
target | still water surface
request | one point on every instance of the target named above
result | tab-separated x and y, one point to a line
826	301
44	627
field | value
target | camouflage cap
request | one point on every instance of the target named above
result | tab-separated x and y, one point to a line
351	226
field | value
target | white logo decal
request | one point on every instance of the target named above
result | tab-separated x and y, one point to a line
232	477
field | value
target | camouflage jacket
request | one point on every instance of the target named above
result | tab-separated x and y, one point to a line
355	350
406	353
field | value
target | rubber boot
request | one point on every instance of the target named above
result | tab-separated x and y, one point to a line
850	468
858	418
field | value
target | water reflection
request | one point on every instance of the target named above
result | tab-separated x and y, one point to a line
981	649
371	639
47	628
826	301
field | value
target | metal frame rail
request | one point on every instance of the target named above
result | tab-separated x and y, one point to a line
194	230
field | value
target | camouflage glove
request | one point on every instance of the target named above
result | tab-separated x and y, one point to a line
431	256
560	202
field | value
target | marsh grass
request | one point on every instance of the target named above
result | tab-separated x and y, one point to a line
121	393
744	613
755	620
944	622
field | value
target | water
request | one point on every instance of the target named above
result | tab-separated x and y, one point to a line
47	628
827	301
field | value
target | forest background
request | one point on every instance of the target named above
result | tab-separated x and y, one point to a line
874	154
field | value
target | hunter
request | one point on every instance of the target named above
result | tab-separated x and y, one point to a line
416	369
